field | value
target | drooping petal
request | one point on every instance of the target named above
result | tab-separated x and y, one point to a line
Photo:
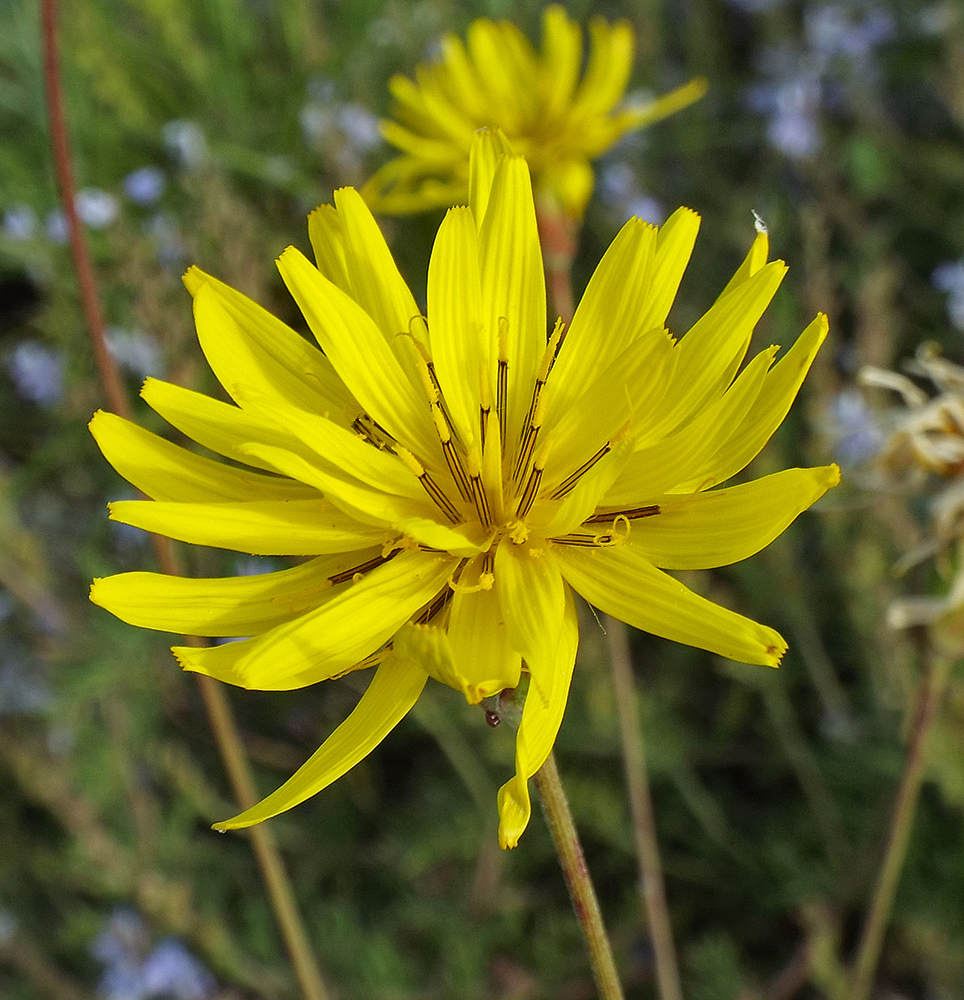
623	583
513	284
231	606
165	471
360	354
473	656
244	344
720	527
392	693
334	637
541	619
262	528
455	319
485	659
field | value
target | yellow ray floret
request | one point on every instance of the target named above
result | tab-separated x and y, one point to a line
457	477
558	122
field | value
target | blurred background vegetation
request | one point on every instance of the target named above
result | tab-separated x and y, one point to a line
203	132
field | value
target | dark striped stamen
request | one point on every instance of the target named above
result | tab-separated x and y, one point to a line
630	514
347	574
567	484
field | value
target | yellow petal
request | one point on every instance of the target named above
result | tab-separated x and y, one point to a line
489	148
630	389
561	61
361	355
165	471
334	637
366	505
478	636
337	447
724	526
755	259
513	285
554	518
541	619
606	319
231	606
462	83
454	314
654	111
326	231
495	51
245	344
623	583
376	284
780	387
393	691
674	247
216	425
661	467
712	350
263	528
610	63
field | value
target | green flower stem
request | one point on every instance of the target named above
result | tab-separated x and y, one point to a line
555	807
932	685
651	885
218	709
558	234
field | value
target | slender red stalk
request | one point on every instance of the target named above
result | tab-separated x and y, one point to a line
218	708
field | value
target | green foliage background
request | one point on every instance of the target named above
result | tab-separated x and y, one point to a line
772	789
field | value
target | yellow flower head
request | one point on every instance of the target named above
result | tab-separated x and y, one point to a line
453	478
550	116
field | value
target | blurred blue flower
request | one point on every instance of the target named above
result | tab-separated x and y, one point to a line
855	433
359	126
185	143
55	226
820	71
145	185
37	372
170	970
20	691
171	250
96	208
135	351
19	222
137	971
619	188
949	277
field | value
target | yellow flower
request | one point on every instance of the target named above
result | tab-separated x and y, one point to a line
556	121
454	478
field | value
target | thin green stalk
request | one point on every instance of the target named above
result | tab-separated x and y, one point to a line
218	709
651	887
555	807
932	685
558	234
